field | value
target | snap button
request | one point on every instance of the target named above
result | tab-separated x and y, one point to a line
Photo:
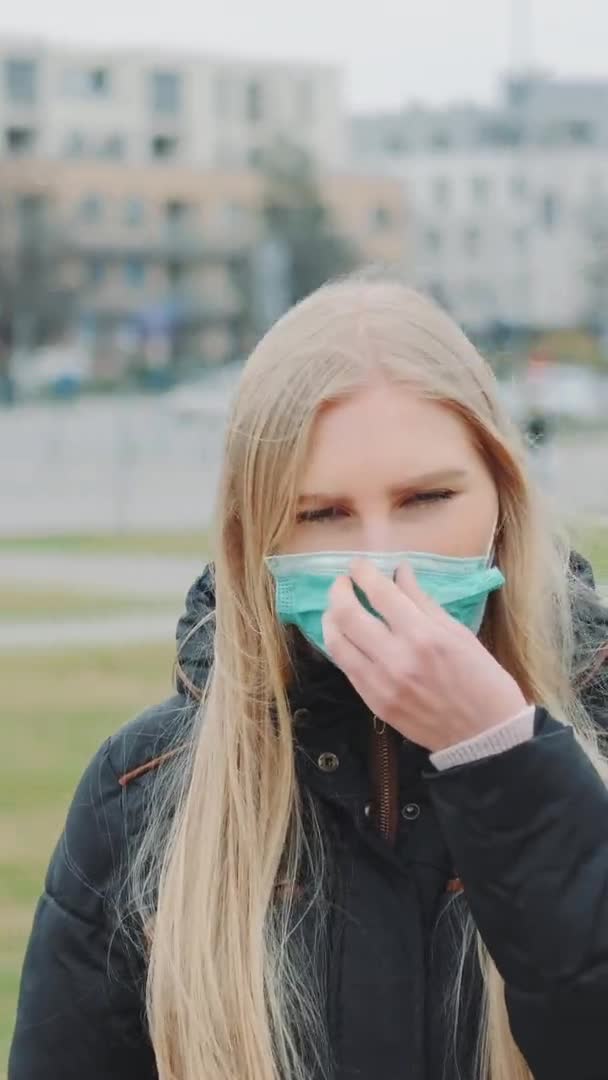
328	762
410	811
301	715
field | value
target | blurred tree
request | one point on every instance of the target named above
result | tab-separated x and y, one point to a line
36	302
298	221
594	221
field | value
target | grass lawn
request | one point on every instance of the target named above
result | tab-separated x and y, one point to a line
23	603
56	710
188	543
592	542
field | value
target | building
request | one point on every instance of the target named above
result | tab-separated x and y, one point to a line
137	177
508	205
161	255
140	107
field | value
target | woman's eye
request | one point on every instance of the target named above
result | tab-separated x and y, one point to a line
421	497
325	513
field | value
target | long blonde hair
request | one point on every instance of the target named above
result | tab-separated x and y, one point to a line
227	995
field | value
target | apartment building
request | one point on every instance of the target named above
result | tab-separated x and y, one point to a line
140	106
168	252
508	205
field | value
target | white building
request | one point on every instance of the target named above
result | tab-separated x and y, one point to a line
142	106
508	206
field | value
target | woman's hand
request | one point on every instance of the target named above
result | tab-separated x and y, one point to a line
419	670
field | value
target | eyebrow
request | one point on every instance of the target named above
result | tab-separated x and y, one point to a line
425	480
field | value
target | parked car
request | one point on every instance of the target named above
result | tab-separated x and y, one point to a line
207	396
61	370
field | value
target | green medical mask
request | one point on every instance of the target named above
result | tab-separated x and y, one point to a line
460	586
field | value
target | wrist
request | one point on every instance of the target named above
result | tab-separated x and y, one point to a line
495	740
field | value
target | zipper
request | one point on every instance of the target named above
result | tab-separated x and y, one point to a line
384	776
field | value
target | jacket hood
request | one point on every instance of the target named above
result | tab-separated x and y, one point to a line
194	635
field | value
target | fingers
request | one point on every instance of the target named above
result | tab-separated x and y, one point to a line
348	617
366	676
405	579
401	609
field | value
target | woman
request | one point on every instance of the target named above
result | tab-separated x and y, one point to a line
379	847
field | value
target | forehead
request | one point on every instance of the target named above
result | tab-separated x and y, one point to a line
387	429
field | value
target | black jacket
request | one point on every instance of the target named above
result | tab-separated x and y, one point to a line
525	833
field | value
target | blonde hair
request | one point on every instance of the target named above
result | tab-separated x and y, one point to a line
228	994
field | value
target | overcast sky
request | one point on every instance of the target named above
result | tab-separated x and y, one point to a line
391	50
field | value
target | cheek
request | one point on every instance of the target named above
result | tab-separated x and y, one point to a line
472	524
462	527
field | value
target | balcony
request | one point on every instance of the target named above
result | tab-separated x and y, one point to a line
180	243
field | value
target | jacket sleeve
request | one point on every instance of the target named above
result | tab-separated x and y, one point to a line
80	1011
528	832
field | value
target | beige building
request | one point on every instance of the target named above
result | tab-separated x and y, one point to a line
140	106
148	249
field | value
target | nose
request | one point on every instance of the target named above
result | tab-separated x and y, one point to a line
379	534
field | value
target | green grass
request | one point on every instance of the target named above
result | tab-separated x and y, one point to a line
39	603
188	543
592	542
56	711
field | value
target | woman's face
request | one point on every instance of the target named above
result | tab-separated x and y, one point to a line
391	471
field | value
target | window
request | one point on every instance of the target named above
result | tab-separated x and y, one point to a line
519	187
223	97
433	240
581	132
91	209
440	140
518	91
134	211
396	144
163	147
255	157
478	294
20	140
472	240
166	92
21	80
232	215
480	188
440	189
549	209
176	273
176	212
303	102
31	216
91	82
500	134
381	218
75	145
96	270
112	147
135	273
520	238
254	101
97	82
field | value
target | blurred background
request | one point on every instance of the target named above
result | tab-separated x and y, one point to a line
171	182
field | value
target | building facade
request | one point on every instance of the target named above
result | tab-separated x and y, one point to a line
138	107
139	178
164	254
508	205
